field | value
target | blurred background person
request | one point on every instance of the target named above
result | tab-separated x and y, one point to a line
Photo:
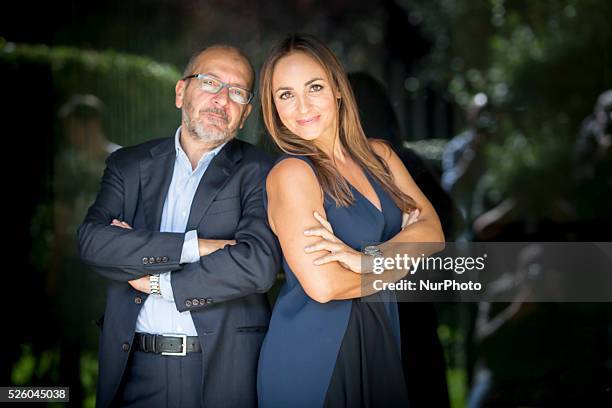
422	354
592	176
464	163
79	294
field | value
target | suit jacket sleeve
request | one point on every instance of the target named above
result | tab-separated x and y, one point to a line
248	267
117	253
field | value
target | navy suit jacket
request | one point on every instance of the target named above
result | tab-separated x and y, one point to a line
224	291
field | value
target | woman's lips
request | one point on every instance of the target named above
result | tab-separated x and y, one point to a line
308	121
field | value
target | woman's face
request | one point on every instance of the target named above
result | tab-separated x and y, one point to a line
304	97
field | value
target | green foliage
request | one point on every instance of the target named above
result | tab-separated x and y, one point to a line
450	337
548	57
430	149
137	91
32	367
24	368
534	170
457	390
89	377
542	66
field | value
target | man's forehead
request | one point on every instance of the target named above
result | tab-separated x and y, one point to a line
226	64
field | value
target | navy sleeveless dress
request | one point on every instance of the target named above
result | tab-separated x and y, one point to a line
343	353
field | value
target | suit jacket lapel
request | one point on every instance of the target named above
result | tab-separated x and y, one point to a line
156	175
217	174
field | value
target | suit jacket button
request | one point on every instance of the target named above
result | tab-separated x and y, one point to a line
202	301
152	260
195	302
209	300
188	303
165	259
125	347
138	300
158	259
145	261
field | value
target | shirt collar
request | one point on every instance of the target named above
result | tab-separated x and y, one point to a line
181	155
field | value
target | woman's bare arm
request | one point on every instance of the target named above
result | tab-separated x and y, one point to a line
294	194
427	229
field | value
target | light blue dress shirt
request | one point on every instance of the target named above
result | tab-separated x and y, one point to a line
159	314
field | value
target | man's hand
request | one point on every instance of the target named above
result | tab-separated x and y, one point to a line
141	284
208	246
121	224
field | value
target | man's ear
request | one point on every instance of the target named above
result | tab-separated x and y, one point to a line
179	90
245	115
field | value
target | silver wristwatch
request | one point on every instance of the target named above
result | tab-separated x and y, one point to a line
154	285
372	250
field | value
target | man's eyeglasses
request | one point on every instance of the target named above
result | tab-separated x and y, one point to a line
212	85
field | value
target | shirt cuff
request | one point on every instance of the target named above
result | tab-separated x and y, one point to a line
165	286
191	250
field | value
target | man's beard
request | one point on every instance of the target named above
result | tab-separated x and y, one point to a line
208	132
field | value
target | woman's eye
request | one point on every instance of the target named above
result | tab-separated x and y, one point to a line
316	87
285	95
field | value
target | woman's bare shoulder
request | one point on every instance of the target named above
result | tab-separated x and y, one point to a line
292	175
381	148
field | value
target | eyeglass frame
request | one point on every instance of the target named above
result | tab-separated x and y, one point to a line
223	85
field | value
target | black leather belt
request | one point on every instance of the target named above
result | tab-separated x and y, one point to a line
166	344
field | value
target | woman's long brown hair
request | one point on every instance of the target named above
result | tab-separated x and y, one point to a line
350	132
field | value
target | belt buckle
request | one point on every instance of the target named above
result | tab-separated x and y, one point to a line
183	351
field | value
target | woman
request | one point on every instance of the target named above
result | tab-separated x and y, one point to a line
333	193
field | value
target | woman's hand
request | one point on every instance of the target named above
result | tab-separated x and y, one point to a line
338	250
410	218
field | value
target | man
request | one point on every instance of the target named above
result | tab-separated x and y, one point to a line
180	230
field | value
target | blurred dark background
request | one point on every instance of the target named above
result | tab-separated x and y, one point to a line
497	107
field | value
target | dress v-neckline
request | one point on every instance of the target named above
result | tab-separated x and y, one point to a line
379	210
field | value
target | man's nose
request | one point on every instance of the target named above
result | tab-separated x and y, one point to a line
222	97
